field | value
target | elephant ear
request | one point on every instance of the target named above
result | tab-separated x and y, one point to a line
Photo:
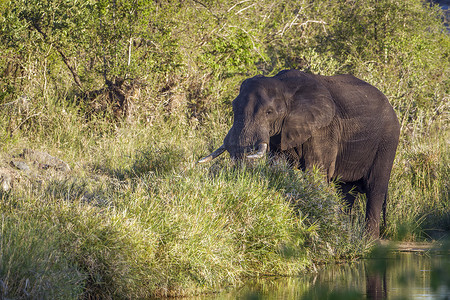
310	107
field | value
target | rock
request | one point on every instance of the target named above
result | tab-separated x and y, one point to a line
28	168
6	179
45	160
20	165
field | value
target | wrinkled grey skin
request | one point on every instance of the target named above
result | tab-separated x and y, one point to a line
339	123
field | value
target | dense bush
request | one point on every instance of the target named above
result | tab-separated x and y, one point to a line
131	93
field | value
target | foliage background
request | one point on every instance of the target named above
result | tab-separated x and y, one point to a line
132	93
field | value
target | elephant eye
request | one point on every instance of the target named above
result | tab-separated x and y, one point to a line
269	112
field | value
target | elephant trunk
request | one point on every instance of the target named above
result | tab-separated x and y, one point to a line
244	140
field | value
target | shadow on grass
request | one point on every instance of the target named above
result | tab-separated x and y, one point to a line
79	189
158	161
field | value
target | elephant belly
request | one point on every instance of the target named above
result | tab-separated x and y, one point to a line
355	161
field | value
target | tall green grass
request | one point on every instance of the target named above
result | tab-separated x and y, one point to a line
419	204
137	218
32	262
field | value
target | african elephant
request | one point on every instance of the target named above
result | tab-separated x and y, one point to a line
338	123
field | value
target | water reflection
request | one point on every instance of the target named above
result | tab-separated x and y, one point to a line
400	276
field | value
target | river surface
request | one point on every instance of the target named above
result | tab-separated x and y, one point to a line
445	6
417	275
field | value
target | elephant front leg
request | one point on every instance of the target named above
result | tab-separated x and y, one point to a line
350	191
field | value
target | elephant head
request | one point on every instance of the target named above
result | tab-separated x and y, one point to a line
290	106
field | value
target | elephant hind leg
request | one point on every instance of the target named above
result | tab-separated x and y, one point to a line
377	183
373	213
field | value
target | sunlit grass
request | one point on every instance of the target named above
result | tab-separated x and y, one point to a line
138	218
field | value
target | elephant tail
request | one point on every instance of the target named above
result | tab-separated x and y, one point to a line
384	210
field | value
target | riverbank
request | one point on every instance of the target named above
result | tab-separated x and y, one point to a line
143	229
413	246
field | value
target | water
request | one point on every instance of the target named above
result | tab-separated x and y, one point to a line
445	6
399	276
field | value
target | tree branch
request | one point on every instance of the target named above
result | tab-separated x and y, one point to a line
207	8
66	61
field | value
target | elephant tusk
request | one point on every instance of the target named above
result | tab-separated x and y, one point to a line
262	148
213	155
